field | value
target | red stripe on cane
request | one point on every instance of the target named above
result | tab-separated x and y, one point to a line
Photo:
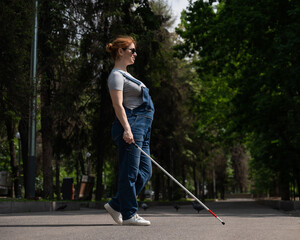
212	213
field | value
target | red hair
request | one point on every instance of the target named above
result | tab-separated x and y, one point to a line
119	42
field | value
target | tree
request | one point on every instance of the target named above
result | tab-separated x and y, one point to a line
244	47
15	36
239	161
59	90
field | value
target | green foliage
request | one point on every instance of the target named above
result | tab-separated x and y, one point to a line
263	179
4	153
15	57
244	55
232	79
4	163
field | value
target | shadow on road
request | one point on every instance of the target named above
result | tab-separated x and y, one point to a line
56	225
234	208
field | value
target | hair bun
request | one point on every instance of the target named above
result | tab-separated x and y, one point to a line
119	42
109	47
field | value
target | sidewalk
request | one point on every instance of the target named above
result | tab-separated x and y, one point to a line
18	206
280	204
245	219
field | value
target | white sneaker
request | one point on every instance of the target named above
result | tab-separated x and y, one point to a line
117	216
136	220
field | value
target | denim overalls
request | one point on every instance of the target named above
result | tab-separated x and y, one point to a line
134	168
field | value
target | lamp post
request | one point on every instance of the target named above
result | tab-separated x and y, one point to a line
19	190
30	175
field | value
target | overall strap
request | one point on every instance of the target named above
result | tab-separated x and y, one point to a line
130	78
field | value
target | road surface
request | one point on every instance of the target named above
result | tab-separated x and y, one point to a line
245	219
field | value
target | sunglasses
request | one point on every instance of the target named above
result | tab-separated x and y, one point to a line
133	50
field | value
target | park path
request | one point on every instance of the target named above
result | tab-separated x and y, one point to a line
245	219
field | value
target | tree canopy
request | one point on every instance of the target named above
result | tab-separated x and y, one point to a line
225	87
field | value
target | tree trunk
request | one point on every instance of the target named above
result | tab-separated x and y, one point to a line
57	173
183	173
163	186
298	184
99	186
170	185
284	185
116	177
47	61
47	131
81	163
77	179
101	133
156	186
23	129
203	182
11	130
47	156
214	183
195	181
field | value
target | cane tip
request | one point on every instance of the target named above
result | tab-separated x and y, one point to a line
223	223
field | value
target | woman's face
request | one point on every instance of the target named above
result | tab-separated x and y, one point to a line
129	54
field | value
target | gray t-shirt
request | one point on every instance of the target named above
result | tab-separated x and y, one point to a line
132	92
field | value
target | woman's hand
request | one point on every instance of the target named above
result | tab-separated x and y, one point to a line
128	136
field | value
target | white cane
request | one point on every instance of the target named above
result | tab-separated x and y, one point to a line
187	191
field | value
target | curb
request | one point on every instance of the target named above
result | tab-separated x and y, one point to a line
21	207
281	204
43	206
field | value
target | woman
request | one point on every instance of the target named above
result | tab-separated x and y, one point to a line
134	114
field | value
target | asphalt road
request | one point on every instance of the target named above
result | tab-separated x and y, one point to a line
244	220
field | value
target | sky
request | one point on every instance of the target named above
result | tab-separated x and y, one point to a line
177	7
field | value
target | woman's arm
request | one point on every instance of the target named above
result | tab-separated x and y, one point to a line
117	101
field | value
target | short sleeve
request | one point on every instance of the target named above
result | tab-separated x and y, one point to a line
115	81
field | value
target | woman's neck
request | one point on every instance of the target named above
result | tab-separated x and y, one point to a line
121	66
